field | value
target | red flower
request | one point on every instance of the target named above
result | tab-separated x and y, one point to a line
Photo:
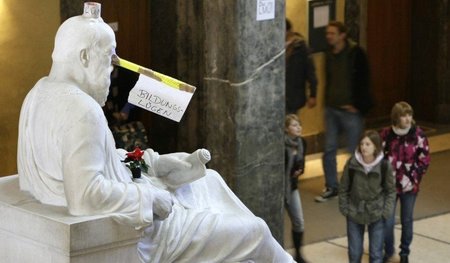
135	155
134	160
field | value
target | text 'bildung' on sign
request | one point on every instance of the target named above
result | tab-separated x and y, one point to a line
159	98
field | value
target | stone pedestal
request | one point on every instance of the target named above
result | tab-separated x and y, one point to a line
33	232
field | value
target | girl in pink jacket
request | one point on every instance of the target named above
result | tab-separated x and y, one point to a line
406	147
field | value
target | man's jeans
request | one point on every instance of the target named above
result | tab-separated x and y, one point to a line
407	201
339	122
355	235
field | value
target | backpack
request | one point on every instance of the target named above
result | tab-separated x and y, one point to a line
384	166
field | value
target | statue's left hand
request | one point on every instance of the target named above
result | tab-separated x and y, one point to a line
168	163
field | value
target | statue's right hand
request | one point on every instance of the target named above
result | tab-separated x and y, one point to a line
162	204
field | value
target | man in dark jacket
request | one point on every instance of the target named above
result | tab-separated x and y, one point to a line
299	70
347	100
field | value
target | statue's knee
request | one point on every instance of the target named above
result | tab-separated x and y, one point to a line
213	175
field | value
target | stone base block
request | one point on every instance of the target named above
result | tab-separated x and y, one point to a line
33	232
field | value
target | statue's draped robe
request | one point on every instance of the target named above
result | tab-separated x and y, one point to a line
67	157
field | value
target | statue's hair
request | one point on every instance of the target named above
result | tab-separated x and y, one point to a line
78	33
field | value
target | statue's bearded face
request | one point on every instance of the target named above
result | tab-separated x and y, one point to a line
99	69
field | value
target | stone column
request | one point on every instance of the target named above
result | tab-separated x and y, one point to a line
240	96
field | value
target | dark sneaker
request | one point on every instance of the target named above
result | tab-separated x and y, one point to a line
404	259
326	195
387	258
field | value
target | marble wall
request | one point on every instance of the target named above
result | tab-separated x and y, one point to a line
26	41
244	103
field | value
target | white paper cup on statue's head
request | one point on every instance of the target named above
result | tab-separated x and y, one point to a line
92	10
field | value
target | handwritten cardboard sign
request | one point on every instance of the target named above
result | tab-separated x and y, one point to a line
159	98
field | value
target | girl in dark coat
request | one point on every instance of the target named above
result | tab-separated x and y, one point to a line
295	148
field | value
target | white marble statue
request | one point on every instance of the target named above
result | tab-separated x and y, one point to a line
67	157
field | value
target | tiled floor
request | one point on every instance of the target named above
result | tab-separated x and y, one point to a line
325	227
431	244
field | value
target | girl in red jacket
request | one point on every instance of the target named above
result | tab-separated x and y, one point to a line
406	147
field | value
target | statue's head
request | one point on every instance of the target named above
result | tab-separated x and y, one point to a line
85	45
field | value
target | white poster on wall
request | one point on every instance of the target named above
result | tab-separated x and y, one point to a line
265	10
321	16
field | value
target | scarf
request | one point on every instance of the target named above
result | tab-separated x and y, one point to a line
400	131
368	166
